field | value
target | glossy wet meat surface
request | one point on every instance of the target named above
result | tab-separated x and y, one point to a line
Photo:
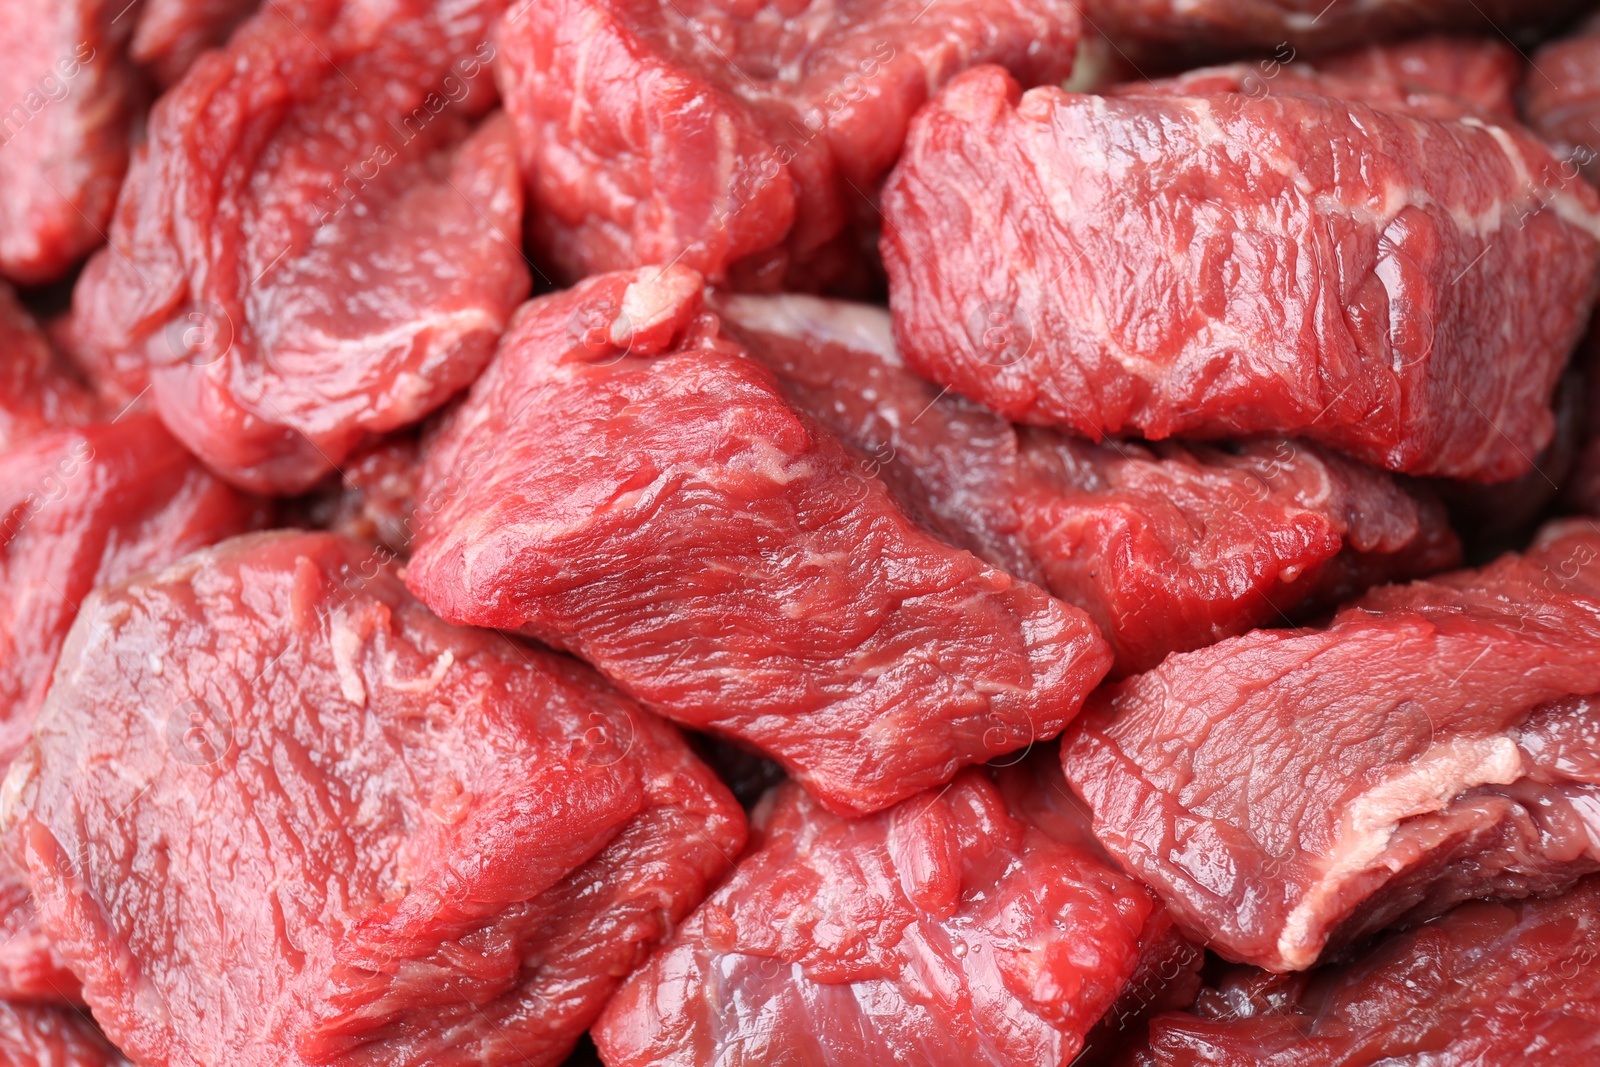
1287	789
1489	984
1167	547
1197	265
342	270
745	140
626	483
412	842
976	924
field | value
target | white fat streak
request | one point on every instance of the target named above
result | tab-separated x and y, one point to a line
423	683
1427	786
347	642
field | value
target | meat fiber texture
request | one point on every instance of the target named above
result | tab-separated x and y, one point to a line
38	389
976	924
83	506
746	140
171	34
67	103
1561	96
1187	31
1490	984
1167	547
316	246
626	483
1185	259
36	1035
1481	71
276	812
1291	789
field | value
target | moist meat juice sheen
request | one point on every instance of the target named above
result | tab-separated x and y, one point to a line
626	483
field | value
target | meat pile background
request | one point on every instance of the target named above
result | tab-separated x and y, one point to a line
823	533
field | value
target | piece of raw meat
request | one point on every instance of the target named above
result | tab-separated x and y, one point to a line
317	245
38	390
1561	96
69	98
79	508
976	924
626	483
1488	985
744	140
1292	789
171	34
1484	72
1187	31
1183	258
1167	547
39	1035
325	826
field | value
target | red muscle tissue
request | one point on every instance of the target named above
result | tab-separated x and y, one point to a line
341	269
1167	547
38	391
36	1035
396	840
976	924
625	482
1291	789
1189	258
745	140
1487	985
67	99
82	507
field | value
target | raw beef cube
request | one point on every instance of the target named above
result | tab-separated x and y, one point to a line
1183	258
171	34
1167	547
1484	72
79	508
1200	29
37	1035
1490	985
38	391
976	924
626	483
317	245
1291	789
745	140
1561	96
323	826
68	96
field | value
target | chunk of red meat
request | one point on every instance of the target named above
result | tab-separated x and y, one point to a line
1561	96
326	826
1481	71
37	1035
69	98
1167	547
171	34
81	507
315	247
1489	984
38	390
625	482
745	140
1190	30
1291	789
978	924
1181	259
